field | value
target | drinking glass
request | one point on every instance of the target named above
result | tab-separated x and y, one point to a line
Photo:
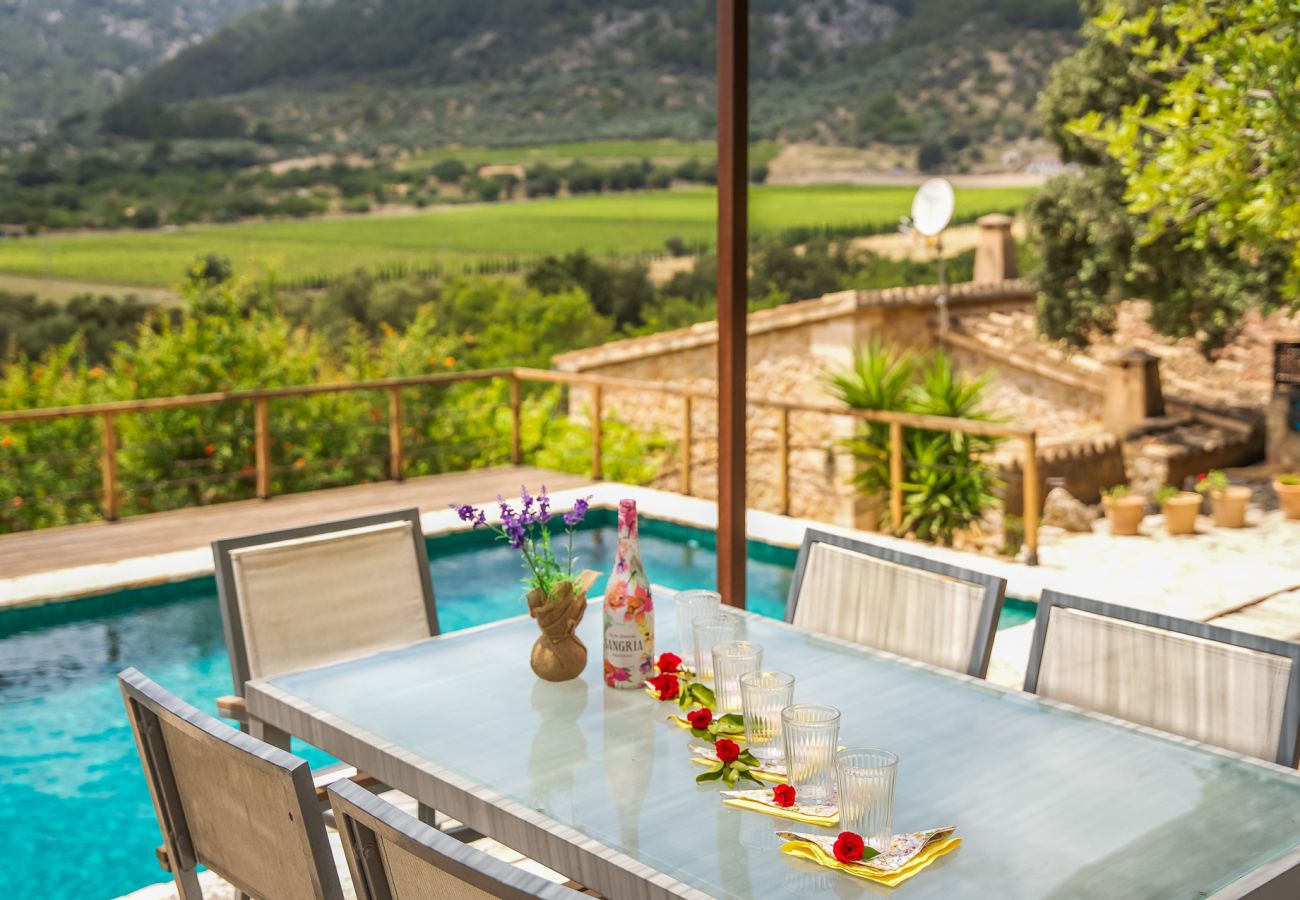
865	779
712	629
762	697
731	659
811	735
689	606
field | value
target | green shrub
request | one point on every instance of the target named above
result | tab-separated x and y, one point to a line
948	483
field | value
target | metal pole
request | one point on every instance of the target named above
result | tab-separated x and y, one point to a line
942	299
733	184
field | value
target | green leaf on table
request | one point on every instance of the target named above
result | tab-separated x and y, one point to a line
703	695
713	774
731	723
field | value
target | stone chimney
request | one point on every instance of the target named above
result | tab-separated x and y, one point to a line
1132	391
995	255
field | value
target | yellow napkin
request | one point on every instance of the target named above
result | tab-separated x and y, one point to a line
909	854
761	801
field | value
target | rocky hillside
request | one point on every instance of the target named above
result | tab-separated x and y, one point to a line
58	57
496	71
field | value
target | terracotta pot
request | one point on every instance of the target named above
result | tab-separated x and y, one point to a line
1288	497
1180	512
1124	513
558	654
1230	506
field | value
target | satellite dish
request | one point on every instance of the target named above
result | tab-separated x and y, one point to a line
932	207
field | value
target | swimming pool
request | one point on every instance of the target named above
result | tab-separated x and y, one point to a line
70	783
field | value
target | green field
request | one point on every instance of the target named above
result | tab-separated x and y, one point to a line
601	224
662	152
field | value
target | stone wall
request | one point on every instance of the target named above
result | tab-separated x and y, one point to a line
790	350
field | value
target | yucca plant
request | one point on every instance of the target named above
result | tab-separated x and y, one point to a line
948	482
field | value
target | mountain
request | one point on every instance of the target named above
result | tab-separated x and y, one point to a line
59	57
510	71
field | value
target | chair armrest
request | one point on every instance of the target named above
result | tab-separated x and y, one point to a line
323	778
233	708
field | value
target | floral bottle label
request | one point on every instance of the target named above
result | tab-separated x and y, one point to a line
629	610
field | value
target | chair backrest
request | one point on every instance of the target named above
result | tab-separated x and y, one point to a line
225	800
1215	685
308	596
394	856
883	598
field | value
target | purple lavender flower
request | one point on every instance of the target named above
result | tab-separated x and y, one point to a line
579	511
465	512
543	507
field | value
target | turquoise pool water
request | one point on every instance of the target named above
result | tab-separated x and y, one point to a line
71	792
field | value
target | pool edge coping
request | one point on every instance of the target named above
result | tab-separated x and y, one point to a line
80	582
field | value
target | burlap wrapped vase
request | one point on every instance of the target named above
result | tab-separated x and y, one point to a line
559	654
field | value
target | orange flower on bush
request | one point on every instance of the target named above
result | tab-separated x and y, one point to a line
783	795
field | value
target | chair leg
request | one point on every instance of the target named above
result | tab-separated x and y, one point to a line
426	814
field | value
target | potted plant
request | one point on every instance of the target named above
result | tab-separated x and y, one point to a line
1227	501
557	597
1124	510
1288	494
1179	508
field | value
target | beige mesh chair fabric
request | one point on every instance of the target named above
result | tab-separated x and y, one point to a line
308	597
1218	687
906	605
228	801
393	856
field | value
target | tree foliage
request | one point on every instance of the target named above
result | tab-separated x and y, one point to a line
1147	221
1214	154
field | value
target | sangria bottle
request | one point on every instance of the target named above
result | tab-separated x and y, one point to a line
629	611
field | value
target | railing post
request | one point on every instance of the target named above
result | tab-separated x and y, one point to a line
108	468
516	443
395	433
687	403
896	475
596	468
1030	492
262	446
783	462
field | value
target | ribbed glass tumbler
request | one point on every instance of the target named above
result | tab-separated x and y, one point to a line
710	630
762	697
865	780
731	659
689	606
812	736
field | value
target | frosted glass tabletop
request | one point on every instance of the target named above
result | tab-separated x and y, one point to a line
1049	802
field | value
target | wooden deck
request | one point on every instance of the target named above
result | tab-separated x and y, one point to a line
31	552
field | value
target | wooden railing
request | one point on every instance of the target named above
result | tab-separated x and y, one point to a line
107	414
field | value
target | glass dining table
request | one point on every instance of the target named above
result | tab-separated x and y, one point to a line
598	784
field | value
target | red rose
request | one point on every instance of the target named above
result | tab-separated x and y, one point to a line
700	718
783	795
727	750
669	663
665	686
848	847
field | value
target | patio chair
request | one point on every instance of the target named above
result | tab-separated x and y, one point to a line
1234	690
312	595
890	600
227	801
393	856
